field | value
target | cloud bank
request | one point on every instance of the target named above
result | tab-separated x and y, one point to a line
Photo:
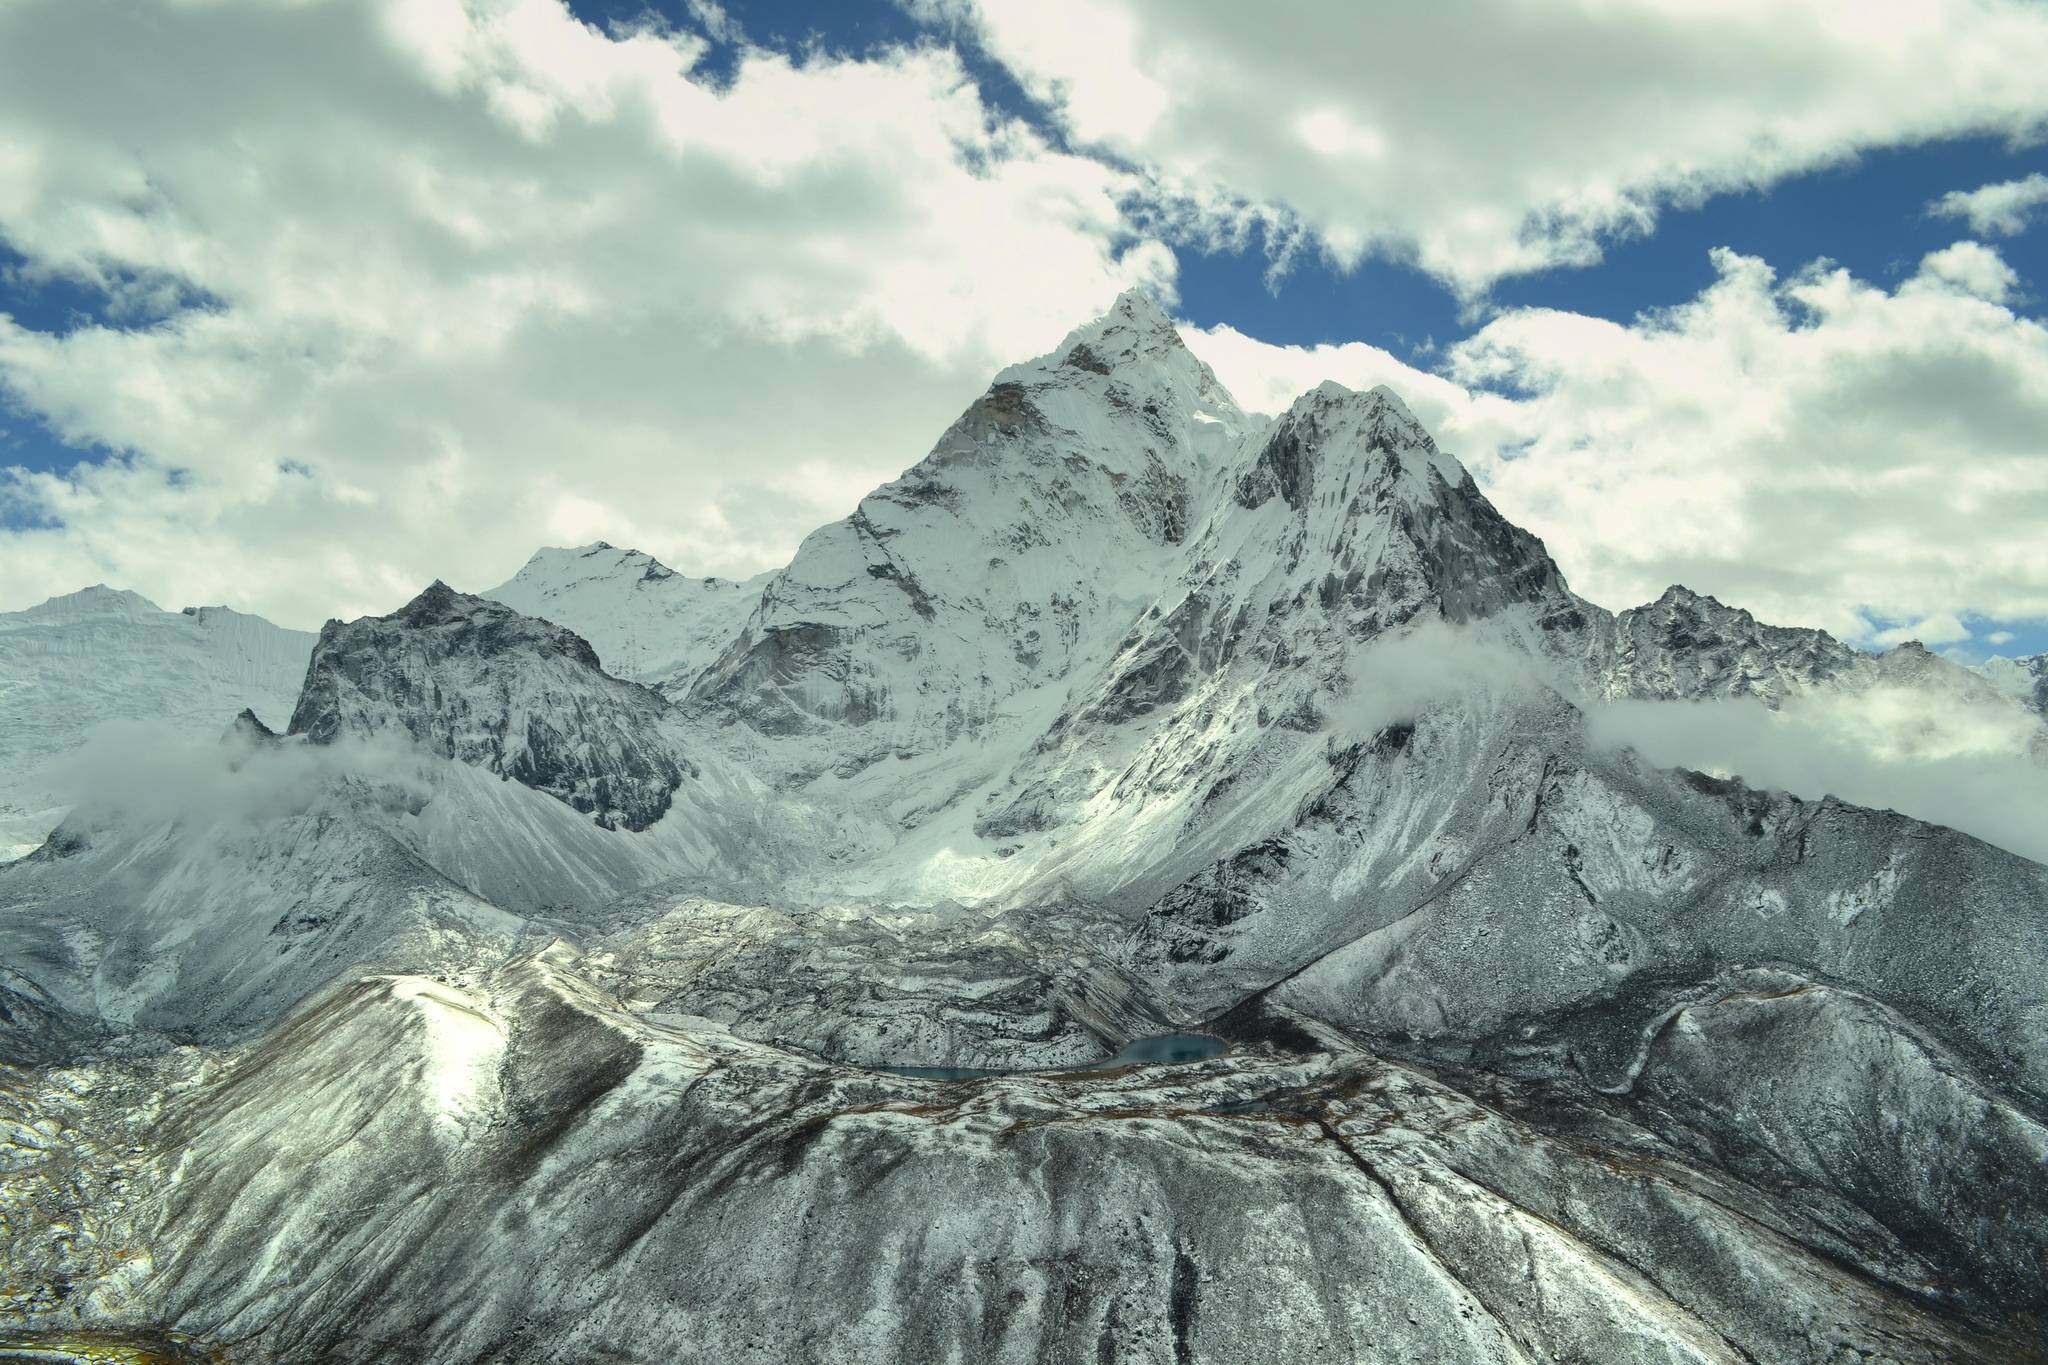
391	290
132	775
1495	137
1819	449
399	289
1889	752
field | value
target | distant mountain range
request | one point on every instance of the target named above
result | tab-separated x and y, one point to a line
520	979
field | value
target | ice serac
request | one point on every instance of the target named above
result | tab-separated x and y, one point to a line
648	623
102	654
1000	566
475	681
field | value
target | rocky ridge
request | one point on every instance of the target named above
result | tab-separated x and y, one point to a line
1122	712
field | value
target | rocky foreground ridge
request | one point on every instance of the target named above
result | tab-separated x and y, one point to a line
518	1004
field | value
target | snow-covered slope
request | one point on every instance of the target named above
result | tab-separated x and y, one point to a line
2024	678
647	623
1121	711
99	655
966	597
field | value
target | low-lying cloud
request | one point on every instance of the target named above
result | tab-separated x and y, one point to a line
1978	764
129	774
1965	767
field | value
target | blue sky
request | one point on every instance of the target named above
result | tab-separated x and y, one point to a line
1427	287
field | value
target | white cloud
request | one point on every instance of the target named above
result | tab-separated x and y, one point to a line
1819	450
1942	628
131	774
2000	637
2001	209
1972	268
1497	137
1961	766
1805	447
480	273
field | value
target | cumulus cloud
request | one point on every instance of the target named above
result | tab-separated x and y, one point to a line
1487	139
1969	771
2000	210
481	278
1942	628
1398	675
399	289
1817	449
1970	268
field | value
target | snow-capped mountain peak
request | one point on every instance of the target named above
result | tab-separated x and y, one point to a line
80	660
97	600
1010	556
476	681
647	622
2025	678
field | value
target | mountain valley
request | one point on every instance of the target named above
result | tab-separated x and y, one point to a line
520	976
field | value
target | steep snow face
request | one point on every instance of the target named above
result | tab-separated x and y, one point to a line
1212	720
2024	678
477	682
99	655
647	623
1003	565
215	923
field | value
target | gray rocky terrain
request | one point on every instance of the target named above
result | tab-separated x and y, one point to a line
517	1005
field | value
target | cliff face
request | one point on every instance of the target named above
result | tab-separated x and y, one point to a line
542	1015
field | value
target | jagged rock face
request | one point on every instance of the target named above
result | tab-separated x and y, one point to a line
477	682
87	658
1484	876
1210	725
647	623
1686	646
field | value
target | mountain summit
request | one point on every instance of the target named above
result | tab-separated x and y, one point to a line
473	680
626	958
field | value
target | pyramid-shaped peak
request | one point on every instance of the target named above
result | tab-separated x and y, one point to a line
1134	329
1335	417
1136	305
435	596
